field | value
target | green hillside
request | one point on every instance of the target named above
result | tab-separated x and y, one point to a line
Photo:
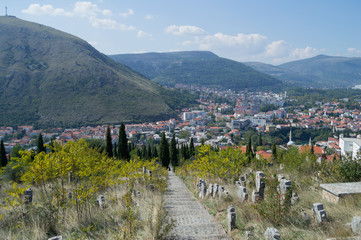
328	70
197	68
52	78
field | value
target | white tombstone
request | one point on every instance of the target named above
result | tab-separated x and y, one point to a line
242	194
272	234
356	225
319	213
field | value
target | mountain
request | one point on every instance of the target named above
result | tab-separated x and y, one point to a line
52	78
288	76
329	70
320	71
197	68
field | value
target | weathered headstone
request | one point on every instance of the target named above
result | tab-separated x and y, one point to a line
280	177
260	184
215	190
210	190
231	215
242	194
151	187
221	191
28	196
319	213
356	225
272	234
255	196
294	198
248	235
285	189
138	194
243	180
101	201
203	190
238	183
282	166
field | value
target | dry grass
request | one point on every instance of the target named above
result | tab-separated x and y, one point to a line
109	223
292	226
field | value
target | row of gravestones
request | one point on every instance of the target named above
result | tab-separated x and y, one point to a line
284	188
213	190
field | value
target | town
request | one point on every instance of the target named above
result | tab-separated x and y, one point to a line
221	119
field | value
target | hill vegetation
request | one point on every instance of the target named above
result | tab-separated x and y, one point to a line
199	69
51	78
320	71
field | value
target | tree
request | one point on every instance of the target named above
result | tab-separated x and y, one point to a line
312	150
164	151
109	146
191	148
3	158
155	152
249	152
274	151
259	143
41	147
123	143
173	152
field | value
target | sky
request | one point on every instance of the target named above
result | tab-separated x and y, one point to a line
269	31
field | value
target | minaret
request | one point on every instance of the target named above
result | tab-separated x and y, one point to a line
310	142
290	135
6	11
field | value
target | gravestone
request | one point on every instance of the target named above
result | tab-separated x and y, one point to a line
356	225
220	191
203	190
319	213
248	235
294	198
151	187
231	215
215	190
272	234
255	196
285	188
280	177
144	170
243	180
260	184
28	196
210	190
101	201
282	166
70	195
242	194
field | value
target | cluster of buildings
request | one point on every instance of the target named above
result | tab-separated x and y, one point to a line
215	123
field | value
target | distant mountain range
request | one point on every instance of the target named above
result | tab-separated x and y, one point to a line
320	71
197	68
52	78
207	69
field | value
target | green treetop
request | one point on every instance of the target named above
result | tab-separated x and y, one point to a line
164	151
123	143
109	145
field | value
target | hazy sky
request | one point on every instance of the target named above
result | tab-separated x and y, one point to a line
272	31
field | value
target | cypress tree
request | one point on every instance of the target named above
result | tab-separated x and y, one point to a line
109	147
274	151
164	151
144	152
260	140
123	143
312	149
173	152
115	150
155	152
3	158
149	150
41	147
249	152
191	148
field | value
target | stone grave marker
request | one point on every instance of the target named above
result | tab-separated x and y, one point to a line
231	216
356	225
272	234
28	196
333	192
101	201
215	190
319	213
242	194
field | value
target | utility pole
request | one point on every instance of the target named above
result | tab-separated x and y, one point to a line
6	11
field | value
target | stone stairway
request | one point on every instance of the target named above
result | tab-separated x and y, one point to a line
193	222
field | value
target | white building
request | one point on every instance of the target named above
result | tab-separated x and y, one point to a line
191	115
350	146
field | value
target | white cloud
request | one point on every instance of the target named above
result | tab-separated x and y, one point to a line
37	9
184	30
89	9
149	17
103	23
277	49
127	14
353	52
142	34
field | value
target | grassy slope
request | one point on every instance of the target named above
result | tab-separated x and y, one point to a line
53	78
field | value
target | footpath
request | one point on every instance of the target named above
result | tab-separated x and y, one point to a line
192	221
